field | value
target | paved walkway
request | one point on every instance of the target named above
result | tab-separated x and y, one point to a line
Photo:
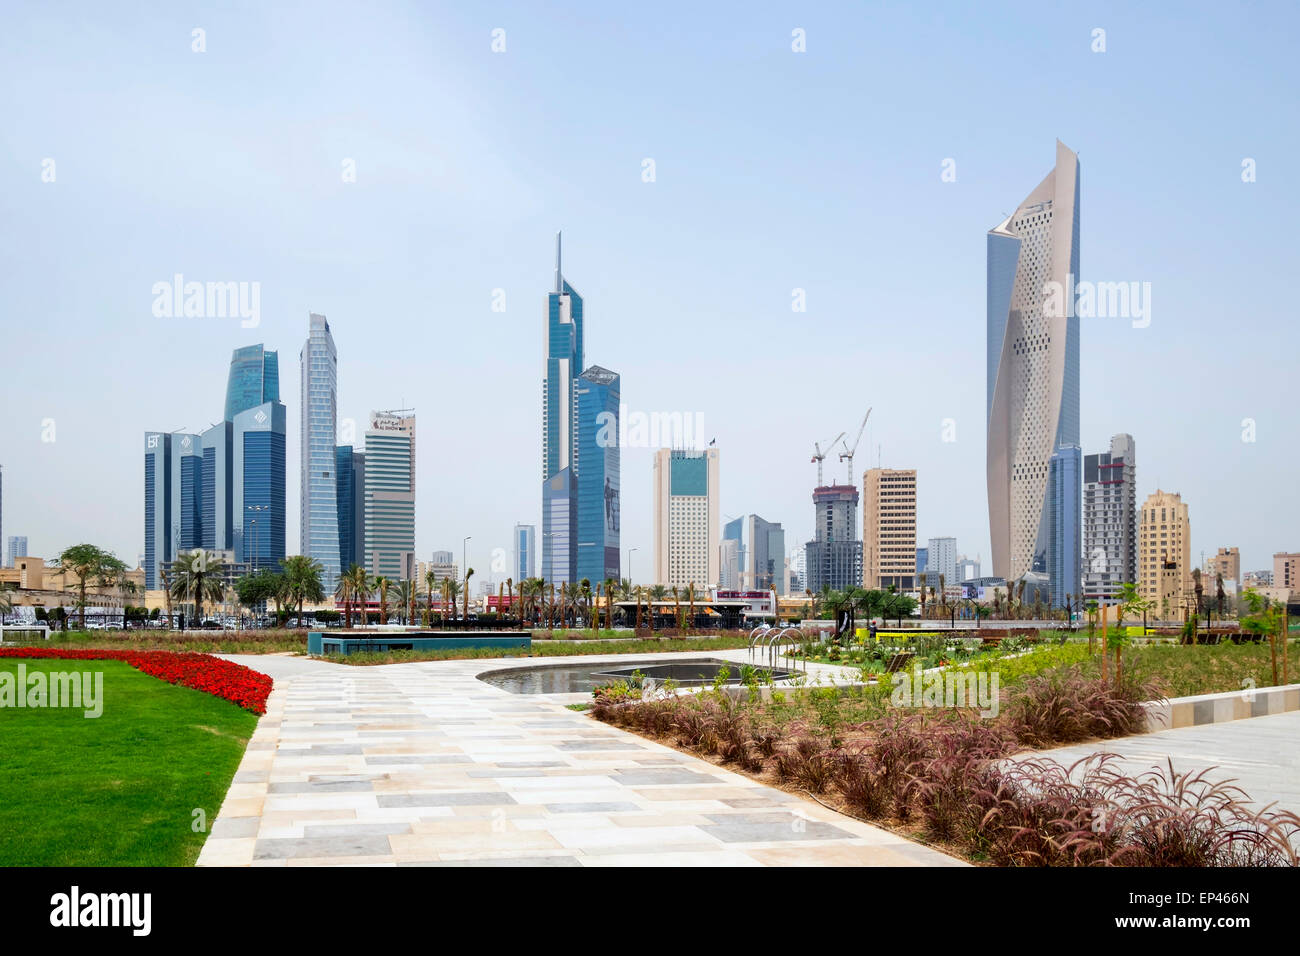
423	764
1262	755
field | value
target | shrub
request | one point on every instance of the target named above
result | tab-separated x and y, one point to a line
1063	706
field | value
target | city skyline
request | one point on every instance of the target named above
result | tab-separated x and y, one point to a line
653	282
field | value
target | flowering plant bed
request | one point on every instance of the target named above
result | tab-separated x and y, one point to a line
203	672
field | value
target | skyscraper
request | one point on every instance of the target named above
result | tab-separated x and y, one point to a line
835	553
350	489
559	487
580	449
223	490
1164	552
320	531
941	558
390	495
1064	547
254	379
16	548
1032	365
890	556
686	517
524	565
1110	557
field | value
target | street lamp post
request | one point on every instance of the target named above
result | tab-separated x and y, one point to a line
629	565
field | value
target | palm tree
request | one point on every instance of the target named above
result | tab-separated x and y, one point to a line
677	608
198	573
303	574
382	584
360	584
406	600
690	594
452	590
6	604
469	573
610	587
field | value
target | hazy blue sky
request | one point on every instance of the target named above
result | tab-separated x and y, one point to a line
775	170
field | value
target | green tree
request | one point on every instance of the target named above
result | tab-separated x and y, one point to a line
354	587
303	574
254	590
89	565
199	576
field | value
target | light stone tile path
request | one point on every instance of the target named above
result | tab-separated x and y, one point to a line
1260	754
422	764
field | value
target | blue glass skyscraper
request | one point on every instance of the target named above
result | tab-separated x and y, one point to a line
254	379
596	470
1064	520
563	366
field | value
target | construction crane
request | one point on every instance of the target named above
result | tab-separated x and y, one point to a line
820	456
850	451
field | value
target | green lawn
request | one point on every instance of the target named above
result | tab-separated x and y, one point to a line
120	789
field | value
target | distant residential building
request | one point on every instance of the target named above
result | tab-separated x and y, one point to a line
835	553
1164	551
1110	520
941	558
320	532
686	486
390	495
1286	570
350	497
524	539
442	566
798	570
967	568
16	548
1225	563
889	552
1257	579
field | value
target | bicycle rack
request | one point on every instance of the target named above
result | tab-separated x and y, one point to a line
755	636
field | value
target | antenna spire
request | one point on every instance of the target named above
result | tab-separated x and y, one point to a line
559	276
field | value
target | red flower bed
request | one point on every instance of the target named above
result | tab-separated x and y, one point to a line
212	675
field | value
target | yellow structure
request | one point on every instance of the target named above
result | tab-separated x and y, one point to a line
889	528
1164	552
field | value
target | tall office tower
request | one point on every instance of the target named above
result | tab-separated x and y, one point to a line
835	553
890	555
1110	528
733	530
686	517
729	573
559	487
170	488
217	510
967	568
390	495
941	558
350	503
16	548
596	471
525	548
258	431
1032	365
254	380
1164	552
764	558
1225	563
1064	547
319	503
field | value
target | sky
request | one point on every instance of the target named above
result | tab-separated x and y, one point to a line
774	170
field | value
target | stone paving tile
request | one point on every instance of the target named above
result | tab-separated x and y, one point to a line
424	765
